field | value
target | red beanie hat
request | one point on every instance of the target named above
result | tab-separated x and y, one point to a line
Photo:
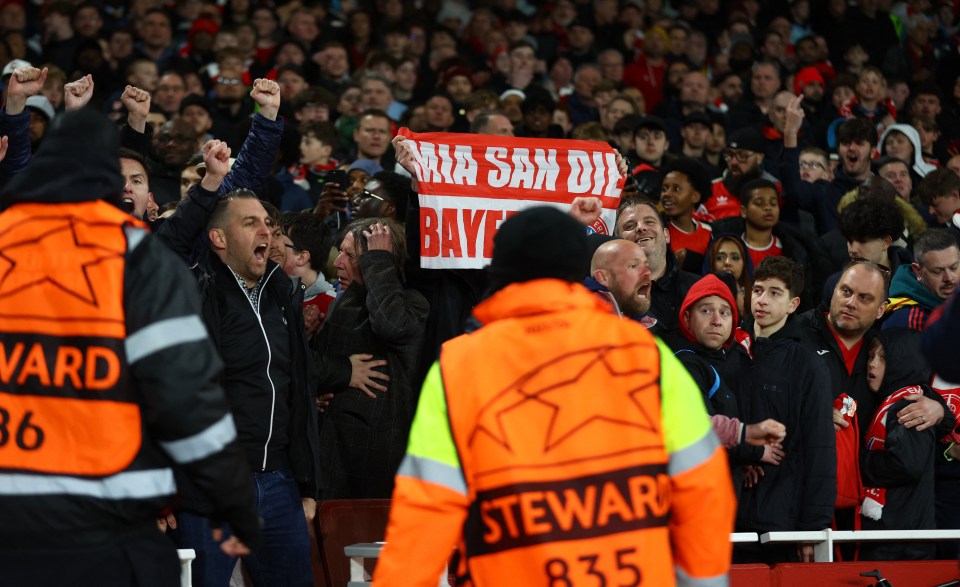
806	76
708	285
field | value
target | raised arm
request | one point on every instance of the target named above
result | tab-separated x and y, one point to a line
77	94
255	160
181	231
15	121
137	103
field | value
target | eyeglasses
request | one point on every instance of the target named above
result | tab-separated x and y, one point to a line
229	81
295	248
740	156
859	261
365	194
811	165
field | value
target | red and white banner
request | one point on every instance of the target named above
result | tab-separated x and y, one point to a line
470	183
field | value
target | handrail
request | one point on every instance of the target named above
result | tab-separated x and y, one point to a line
823	540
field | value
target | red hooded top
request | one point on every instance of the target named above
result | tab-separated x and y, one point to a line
708	285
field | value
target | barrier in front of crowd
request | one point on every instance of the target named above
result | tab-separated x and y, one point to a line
363	556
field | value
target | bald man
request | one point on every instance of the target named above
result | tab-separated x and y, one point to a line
620	268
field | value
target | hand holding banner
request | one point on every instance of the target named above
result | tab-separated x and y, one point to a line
469	184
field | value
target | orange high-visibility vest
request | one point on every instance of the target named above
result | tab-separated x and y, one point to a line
564	447
67	406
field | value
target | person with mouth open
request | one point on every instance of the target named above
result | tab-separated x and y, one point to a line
619	267
856	139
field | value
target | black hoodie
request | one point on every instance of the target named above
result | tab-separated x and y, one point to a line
905	466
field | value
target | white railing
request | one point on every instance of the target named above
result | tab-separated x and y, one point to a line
186	559
823	540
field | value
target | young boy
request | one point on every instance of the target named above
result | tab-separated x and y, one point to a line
871	101
760	210
789	384
317	143
814	165
940	192
897	464
306	243
929	135
686	184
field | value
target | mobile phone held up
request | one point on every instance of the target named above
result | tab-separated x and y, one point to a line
339	218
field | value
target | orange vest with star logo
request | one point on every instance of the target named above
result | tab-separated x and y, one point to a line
67	406
561	485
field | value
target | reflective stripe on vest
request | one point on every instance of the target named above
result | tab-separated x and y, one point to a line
67	406
567	451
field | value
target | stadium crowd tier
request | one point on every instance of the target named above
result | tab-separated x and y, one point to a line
762	200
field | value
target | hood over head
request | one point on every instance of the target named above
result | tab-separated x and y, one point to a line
708	285
77	162
918	165
905	363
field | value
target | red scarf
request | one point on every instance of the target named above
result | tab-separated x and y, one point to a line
876	497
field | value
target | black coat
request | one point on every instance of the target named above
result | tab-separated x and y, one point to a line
906	465
240	339
667	294
724	368
788	384
364	439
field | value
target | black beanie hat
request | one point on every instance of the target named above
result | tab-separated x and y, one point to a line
538	243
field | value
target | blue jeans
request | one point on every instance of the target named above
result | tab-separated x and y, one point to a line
284	557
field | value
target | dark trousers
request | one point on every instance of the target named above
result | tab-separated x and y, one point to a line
146	560
284	558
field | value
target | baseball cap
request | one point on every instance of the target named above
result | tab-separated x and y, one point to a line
651	122
41	104
697	118
748	139
16	63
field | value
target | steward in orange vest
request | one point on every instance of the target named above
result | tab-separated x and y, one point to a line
559	444
107	378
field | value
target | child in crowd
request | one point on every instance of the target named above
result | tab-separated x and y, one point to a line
318	140
815	165
685	184
896	463
940	193
929	133
760	210
306	242
903	142
871	101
